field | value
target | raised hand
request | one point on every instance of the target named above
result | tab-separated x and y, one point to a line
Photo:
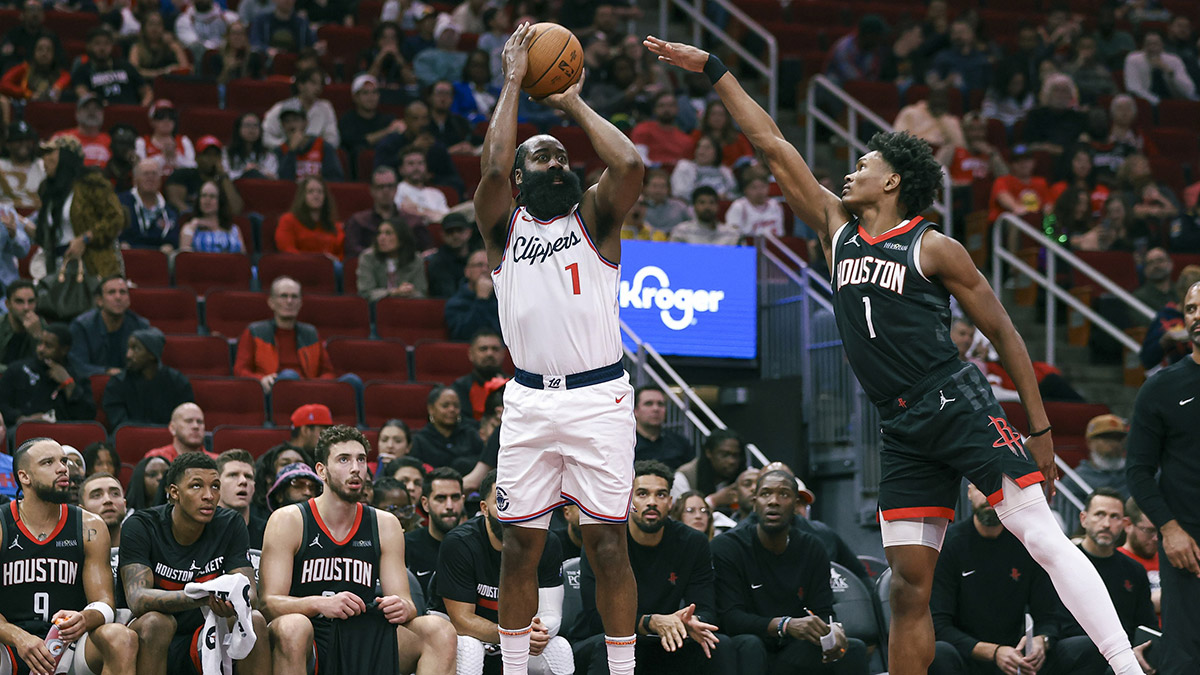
515	57
563	99
677	54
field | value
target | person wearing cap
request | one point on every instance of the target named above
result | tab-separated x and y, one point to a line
320	118
147	391
171	149
1105	465
187	433
89	116
99	334
45	387
421	19
302	154
41	77
183	186
153	223
22	168
281	29
293	484
447	266
113	80
1020	192
364	126
443	61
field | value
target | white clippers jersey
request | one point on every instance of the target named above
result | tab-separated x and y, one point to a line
558	297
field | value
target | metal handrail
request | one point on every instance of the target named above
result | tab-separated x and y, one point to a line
695	10
1048	281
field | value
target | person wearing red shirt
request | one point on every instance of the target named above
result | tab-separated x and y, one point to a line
311	226
1020	192
660	140
1141	544
976	159
97	145
187	433
1081	175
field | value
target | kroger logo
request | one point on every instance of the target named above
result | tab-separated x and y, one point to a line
651	287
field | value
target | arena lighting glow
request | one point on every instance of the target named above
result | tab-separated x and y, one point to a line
691	300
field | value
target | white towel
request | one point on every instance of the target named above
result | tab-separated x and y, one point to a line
225	645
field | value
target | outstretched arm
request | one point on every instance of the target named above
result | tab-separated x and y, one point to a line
819	208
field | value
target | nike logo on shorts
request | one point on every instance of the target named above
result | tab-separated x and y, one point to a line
622	398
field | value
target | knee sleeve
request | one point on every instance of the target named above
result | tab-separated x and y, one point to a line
470	656
555	659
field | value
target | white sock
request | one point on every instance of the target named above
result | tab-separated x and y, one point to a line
621	659
514	650
1076	580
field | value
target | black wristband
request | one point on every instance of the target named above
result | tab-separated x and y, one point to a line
714	69
1043	432
646	624
994	653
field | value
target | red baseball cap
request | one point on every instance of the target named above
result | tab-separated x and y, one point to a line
207	142
310	414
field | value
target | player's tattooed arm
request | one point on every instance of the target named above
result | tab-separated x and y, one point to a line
144	598
97	568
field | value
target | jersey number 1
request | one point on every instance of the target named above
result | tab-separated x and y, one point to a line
573	268
867	310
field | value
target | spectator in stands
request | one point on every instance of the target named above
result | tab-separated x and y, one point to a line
975	159
413	195
717	123
14	243
392	266
411	473
1168	339
303	154
755	213
1080	174
156	52
364	126
663	212
705	168
362	227
1154	74
236	59
101	493
320	118
211	229
1056	123
41	77
1141	544
89	115
100	336
448	439
1070	221
449	128
1020	192
46	388
202	26
904	64
982	584
321	12
1154	204
280	29
797	602
1105	465
442	499
447	266
859	55
1121	139
147	391
420	19
930	119
394	442
1112	42
486	355
236	470
312	225
705	228
183	187
22	170
110	79
143	485
690	509
417	134
382	60
123	148
442	61
163	144
474	94
21	328
1156	291
21	40
100	457
654	442
390	496
268	465
152	222
1010	98
474	306
80	216
714	472
636	227
247	156
962	65
1111	232
1091	76
618	91
469	16
250	9
748	479
293	484
676	607
187	433
660	140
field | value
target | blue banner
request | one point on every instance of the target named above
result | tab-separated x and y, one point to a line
691	300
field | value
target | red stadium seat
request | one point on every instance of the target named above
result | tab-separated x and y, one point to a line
146	267
1116	265
385	401
442	362
49	118
255	95
197	355
267	196
469	170
203	272
366	164
267	233
882	98
230	400
171	310
1168	171
136	116
344	43
369	12
255	440
228	313
579	149
1175	143
70	25
411	319
352	197
198	122
1178	113
920	92
350	276
291	394
450	192
134	441
1070	422
369	359
76	434
187	93
337	315
338	93
313	270
99	382
1017	418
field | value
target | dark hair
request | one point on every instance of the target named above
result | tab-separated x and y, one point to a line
406	252
414	150
437	393
100	30
704	190
440	473
920	173
676	512
61	331
300	209
486	331
401	462
235	455
18	455
382	486
787	475
489	482
718	154
224	211
264	469
706	477
16	286
728	134
137	498
1103	491
493	401
338	433
104	282
396	422
53	193
384	25
185	461
238	149
653	467
637	393
92	453
487	58
307	74
1064	212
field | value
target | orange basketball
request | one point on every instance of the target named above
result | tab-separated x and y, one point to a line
555	60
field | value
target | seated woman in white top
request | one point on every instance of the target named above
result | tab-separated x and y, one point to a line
211	229
755	213
703	169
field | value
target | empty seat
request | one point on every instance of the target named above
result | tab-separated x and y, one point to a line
136	116
255	440
198	122
203	272
442	362
1178	113
313	270
881	97
411	319
291	394
1177	144
383	401
76	434
134	441
338	93
352	197
48	118
369	359
256	95
187	92
337	315
469	170
171	310
230	400
266	196
350	275
344	43
146	267
229	312
197	355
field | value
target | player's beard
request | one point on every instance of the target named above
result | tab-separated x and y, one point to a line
496	527
53	494
544	199
987	516
448	521
650	528
339	488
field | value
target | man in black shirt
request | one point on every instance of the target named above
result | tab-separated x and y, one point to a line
654	442
46	388
450	129
164	548
447	265
468	582
362	227
773	587
364	126
487	358
1164	435
673	567
147	391
442	499
113	80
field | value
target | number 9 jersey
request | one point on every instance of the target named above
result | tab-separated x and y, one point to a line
41	577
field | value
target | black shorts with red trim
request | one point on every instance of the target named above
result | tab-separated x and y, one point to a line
946	429
183	655
365	643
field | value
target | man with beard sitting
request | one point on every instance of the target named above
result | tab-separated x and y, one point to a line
475	306
486	356
441	498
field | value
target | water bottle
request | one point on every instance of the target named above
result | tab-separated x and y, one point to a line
55	644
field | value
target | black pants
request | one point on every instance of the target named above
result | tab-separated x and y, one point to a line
1070	656
1179	650
797	656
591	657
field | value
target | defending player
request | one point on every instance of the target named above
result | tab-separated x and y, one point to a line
893	275
52	565
321	562
568	430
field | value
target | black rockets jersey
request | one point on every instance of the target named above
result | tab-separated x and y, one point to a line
41	577
894	321
325	566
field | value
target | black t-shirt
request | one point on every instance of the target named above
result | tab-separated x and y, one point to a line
41	578
445	270
354	129
1164	435
461	449
670	449
147	539
115	82
469	568
421	557
20	346
1129	587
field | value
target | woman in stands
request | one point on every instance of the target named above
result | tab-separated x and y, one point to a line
704	168
143	486
235	59
267	467
1079	172
156	52
391	267
717	123
100	457
41	78
81	216
475	95
394	443
691	510
246	156
1070	217
174	150
211	229
448	439
1009	99
312	225
322	120
714	473
1110	234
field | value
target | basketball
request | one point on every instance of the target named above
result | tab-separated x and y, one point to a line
555	60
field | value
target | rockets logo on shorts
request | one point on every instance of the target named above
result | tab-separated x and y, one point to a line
501	499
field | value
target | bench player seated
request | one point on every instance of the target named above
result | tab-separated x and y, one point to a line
321	563
52	563
168	553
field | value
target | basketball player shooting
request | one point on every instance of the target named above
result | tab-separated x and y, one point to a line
568	430
893	275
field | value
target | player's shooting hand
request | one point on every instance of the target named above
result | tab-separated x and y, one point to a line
1181	549
222	608
34	653
670	629
395	609
516	53
565	98
677	54
342	605
71	625
809	628
1042	451
705	634
539	637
